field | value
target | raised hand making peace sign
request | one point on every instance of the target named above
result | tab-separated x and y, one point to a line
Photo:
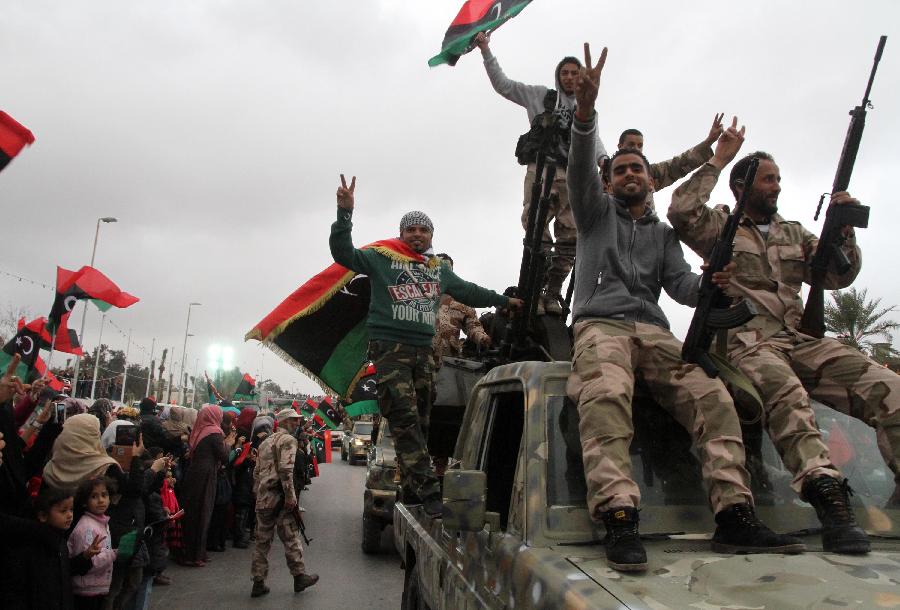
588	84
345	193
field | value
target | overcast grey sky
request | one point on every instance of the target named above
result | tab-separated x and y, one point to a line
215	133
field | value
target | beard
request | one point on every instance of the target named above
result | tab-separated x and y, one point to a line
762	205
630	198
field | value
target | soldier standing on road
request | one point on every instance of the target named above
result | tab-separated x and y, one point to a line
276	501
626	257
406	284
532	98
773	260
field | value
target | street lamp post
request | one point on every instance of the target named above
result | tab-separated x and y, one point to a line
184	350
106	219
97	355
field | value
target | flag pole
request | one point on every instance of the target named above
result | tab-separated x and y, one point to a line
50	357
97	357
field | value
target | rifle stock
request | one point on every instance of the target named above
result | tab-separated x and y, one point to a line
829	252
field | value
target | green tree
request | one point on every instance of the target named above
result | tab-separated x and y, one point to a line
855	320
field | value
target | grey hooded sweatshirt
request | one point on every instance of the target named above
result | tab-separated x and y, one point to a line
531	97
621	264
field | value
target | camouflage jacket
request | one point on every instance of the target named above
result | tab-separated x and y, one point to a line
452	317
666	173
770	269
273	476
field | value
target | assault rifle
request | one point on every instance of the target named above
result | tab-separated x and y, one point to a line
837	217
714	310
298	515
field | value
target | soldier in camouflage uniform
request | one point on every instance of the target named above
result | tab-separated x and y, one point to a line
406	283
785	365
276	501
626	256
452	318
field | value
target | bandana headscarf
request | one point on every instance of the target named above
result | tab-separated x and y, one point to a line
209	421
77	454
415	218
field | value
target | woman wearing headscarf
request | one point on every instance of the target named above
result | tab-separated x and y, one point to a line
102	410
243	462
78	456
207	450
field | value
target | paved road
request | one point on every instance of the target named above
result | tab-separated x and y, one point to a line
349	579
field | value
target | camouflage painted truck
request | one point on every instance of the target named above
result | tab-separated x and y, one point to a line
516	532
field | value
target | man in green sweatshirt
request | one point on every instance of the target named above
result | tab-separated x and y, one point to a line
407	281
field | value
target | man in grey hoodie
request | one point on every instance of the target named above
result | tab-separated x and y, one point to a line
532	97
625	257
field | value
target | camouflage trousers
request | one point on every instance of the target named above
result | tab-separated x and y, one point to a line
267	522
609	356
404	377
788	368
563	229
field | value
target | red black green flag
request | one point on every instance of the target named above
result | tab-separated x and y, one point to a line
475	16
86	283
321	327
329	413
364	398
13	138
27	343
246	388
66	338
40	370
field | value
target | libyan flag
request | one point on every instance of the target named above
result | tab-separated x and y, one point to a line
86	283
329	414
246	388
475	16
365	395
13	138
27	344
321	327
66	338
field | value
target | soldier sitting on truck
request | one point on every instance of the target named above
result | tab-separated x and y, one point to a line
452	318
406	282
626	257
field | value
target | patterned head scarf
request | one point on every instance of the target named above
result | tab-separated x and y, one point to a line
415	218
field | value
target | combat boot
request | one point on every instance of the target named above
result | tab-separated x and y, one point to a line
831	499
304	581
259	588
624	551
740	531
552	304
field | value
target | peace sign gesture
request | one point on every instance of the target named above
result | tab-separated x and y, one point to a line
588	84
345	193
10	384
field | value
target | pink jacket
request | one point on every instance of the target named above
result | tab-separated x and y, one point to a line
97	580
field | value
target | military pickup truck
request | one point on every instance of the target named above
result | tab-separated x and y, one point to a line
381	489
516	532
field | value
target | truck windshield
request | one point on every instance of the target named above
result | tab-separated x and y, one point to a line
362	428
667	468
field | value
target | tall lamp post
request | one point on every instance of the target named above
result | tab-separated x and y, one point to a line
106	219
184	351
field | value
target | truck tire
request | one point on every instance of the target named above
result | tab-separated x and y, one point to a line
412	591
371	535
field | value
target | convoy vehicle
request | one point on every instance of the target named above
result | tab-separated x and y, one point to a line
382	484
516	531
337	438
355	443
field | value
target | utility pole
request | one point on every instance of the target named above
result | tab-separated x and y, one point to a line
97	356
125	373
150	370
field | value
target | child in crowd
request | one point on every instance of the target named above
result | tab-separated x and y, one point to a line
35	568
93	498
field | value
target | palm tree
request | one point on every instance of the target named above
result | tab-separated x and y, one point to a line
855	320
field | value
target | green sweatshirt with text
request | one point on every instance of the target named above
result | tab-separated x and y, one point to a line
405	295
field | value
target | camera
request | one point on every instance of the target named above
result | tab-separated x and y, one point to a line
126	435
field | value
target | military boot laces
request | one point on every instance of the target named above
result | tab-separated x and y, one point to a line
740	531
831	499
304	581
624	551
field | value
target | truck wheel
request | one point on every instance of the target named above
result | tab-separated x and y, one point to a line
412	591
371	535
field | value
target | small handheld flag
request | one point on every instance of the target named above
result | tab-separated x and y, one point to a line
475	16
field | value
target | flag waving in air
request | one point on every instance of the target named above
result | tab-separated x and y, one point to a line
27	343
474	16
13	138
246	388
364	398
86	283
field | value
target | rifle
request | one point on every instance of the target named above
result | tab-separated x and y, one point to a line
298	515
837	217
714	310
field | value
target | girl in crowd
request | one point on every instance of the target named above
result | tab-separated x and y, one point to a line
90	589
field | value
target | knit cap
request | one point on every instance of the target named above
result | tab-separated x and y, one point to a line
415	218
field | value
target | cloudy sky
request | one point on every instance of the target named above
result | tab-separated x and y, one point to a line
215	133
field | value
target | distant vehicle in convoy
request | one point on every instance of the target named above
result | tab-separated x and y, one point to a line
515	531
337	438
381	489
355	444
